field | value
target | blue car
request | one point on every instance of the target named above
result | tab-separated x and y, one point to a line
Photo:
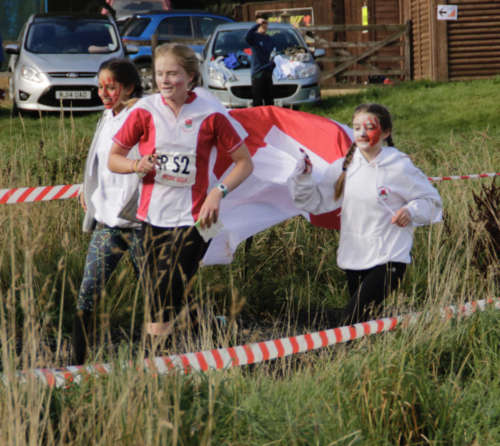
185	26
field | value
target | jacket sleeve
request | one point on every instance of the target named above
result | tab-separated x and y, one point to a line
250	36
315	198
90	180
423	200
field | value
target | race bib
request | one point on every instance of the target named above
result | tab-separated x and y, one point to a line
175	169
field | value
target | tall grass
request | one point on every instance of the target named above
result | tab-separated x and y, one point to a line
433	383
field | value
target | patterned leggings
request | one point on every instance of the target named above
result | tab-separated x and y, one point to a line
106	248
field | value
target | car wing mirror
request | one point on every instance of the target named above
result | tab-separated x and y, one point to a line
319	52
131	49
12	48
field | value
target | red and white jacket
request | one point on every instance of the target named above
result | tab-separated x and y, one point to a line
172	195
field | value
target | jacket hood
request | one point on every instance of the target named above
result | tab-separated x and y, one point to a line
387	156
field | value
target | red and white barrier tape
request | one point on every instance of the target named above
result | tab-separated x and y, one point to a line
42	193
224	358
465	177
48	193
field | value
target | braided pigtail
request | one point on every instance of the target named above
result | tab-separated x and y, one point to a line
339	185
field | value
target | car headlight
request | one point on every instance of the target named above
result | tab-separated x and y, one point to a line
307	70
32	74
218	76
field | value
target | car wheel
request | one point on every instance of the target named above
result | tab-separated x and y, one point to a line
12	93
146	73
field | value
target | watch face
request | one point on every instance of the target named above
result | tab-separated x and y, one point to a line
223	189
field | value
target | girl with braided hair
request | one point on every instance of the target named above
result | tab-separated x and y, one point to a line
383	198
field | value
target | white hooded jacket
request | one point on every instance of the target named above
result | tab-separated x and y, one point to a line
373	192
107	193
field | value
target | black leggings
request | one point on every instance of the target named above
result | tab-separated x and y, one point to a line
368	288
262	88
172	259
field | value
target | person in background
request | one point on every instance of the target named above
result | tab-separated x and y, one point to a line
176	130
262	46
104	196
383	198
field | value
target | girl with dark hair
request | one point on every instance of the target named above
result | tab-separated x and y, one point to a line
104	196
383	197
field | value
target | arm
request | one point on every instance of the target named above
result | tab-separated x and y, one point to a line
250	36
83	204
309	196
424	205
243	167
119	163
128	135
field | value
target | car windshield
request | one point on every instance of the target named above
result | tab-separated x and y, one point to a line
135	26
71	36
232	41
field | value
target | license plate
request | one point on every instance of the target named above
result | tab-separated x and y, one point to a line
62	94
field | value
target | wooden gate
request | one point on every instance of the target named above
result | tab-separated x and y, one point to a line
362	60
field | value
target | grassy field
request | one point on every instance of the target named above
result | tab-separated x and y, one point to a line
435	383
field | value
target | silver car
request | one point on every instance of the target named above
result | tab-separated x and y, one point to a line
226	66
55	62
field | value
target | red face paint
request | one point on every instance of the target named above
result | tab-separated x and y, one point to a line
373	130
109	90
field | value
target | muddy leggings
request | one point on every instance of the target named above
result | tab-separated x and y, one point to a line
105	250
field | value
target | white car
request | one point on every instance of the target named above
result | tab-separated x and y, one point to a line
55	62
226	66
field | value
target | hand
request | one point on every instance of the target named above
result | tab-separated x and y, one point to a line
304	165
82	201
261	20
146	164
209	212
402	218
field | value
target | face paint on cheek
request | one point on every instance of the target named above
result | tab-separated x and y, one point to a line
116	93
113	94
373	131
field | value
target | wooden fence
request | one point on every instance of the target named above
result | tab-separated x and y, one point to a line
362	59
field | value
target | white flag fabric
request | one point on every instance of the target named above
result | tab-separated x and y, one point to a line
275	137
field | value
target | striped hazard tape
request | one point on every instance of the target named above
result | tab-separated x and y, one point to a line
42	193
48	193
465	177
224	358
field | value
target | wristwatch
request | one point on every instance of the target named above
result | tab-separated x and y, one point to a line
223	188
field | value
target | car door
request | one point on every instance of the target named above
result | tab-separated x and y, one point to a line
176	29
